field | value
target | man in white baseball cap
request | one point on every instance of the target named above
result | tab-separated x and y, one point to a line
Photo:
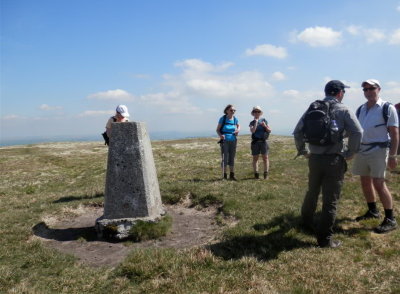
378	149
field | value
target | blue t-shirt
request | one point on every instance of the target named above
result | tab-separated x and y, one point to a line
228	129
260	131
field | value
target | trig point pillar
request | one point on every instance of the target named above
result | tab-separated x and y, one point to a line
132	192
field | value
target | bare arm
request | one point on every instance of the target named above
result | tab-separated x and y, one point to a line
218	130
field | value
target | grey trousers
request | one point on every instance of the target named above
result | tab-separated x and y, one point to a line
228	152
326	172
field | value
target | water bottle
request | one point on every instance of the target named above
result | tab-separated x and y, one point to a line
334	131
334	126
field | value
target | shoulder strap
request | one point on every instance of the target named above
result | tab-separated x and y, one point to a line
358	111
114	119
385	111
223	123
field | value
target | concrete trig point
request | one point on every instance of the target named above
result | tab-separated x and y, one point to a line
132	192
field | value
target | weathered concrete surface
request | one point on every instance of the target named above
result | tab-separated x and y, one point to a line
132	191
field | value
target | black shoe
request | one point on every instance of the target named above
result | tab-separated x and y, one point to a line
386	226
265	175
256	176
232	177
368	215
331	244
225	176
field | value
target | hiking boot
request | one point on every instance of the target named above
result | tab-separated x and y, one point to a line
330	244
265	175
232	177
256	176
386	226
368	215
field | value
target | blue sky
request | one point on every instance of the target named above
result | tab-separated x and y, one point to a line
66	64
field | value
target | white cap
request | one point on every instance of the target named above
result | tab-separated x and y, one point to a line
256	108
123	110
371	82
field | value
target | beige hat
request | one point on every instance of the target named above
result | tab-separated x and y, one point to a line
256	108
371	82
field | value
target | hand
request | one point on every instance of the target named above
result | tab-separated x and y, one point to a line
236	132
392	162
264	124
307	155
222	137
349	157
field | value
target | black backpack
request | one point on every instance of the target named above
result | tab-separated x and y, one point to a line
319	124
105	136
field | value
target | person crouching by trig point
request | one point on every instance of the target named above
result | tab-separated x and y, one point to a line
322	126
379	120
121	115
227	129
260	131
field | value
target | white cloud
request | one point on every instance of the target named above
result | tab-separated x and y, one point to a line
171	102
374	35
49	108
354	30
268	50
275	111
392	91
197	65
278	76
200	80
117	94
12	117
395	38
91	113
291	93
320	37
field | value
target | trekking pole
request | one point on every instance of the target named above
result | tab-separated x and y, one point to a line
223	158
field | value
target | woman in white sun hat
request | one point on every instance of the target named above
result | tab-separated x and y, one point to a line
260	130
121	115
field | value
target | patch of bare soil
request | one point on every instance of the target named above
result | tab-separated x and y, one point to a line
77	236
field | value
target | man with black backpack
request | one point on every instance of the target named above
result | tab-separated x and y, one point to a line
378	150
323	127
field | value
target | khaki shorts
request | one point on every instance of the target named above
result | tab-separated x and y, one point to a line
372	164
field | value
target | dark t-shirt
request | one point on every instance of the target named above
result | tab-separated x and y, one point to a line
260	132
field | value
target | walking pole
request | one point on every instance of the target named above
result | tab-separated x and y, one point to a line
223	157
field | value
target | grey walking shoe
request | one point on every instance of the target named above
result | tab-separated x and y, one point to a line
368	215
331	244
386	226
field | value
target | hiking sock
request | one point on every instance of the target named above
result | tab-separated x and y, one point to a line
372	206
389	213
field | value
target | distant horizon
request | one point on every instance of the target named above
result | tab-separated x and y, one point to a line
155	136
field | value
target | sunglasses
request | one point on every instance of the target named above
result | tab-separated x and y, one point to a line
369	89
257	111
232	110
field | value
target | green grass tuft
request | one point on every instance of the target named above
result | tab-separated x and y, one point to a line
143	230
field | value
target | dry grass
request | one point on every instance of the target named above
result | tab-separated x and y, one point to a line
265	252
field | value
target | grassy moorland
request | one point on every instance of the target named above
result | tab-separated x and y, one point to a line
265	252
